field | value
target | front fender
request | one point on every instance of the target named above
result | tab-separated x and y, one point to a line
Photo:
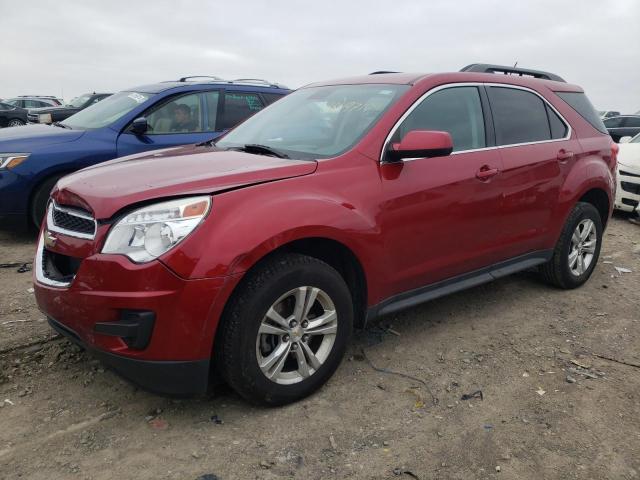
246	224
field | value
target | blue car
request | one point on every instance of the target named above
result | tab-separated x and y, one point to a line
34	157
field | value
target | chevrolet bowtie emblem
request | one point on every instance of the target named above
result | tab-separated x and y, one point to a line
49	240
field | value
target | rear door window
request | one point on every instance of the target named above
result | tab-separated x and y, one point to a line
614	122
519	116
238	106
632	122
457	110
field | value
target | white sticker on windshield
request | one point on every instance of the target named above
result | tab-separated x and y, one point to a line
385	92
137	97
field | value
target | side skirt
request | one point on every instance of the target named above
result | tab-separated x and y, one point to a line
455	284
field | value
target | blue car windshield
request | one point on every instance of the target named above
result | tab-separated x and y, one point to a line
107	111
316	122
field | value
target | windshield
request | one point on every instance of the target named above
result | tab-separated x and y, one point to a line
107	111
635	139
316	122
79	101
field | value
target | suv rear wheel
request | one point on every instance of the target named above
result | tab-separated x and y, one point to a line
285	331
577	251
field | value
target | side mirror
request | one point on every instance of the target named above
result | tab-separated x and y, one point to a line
626	139
139	126
421	144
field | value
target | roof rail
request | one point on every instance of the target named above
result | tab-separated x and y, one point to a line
184	79
259	81
379	72
37	96
522	72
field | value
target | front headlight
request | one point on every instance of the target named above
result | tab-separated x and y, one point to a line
12	160
148	232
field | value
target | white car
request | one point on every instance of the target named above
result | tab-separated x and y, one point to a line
628	191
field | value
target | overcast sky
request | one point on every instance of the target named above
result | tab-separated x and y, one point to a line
71	47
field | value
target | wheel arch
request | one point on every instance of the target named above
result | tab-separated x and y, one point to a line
599	198
336	254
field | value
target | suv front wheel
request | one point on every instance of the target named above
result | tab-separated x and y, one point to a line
285	331
578	248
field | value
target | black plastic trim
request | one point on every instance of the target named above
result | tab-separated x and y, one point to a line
134	327
460	282
172	378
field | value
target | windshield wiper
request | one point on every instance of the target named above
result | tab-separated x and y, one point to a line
61	125
261	150
207	143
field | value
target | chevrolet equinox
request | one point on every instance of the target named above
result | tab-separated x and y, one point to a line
257	254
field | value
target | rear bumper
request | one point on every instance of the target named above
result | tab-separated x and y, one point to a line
179	378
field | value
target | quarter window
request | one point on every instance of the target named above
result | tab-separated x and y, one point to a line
457	110
558	127
238	107
180	115
519	116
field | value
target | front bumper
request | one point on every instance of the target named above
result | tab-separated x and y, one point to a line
14	194
628	191
174	355
179	378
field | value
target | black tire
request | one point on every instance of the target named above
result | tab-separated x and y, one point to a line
15	122
235	349
557	271
41	198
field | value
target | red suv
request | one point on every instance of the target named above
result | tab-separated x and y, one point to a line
256	255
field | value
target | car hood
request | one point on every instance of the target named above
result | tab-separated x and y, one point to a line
629	154
27	137
106	188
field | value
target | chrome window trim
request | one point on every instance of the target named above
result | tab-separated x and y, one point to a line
475	84
54	228
39	269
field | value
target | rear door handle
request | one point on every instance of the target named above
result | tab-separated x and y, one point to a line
564	155
486	172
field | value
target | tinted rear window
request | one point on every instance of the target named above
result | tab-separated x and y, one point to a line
519	116
581	104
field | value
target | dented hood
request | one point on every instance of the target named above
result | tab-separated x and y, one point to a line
108	187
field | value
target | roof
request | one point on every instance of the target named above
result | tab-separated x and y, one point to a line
163	86
450	77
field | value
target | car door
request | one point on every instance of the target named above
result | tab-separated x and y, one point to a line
441	216
537	154
178	120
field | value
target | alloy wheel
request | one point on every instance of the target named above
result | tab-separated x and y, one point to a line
583	247
296	335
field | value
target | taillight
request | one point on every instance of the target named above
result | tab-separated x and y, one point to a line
615	148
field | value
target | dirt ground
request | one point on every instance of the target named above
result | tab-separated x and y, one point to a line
550	408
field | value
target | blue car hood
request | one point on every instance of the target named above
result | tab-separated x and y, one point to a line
29	137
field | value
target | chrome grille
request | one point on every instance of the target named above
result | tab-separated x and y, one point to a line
71	221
